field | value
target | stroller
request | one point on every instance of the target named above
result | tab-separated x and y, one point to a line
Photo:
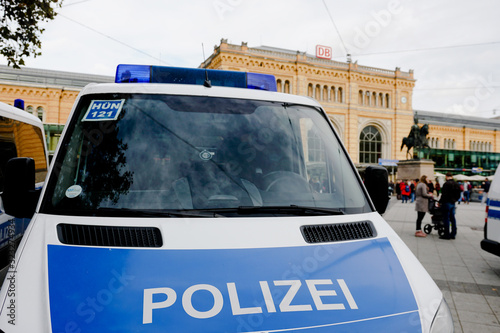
436	217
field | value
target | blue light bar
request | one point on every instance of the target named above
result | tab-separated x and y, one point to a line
197	76
133	73
261	82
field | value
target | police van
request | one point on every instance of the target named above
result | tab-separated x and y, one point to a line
192	200
21	135
491	241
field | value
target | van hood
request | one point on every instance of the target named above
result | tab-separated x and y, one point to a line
350	286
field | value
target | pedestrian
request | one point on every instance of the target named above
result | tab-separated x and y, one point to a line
466	192
405	191
486	189
430	185
422	196
461	185
412	189
398	190
438	188
450	193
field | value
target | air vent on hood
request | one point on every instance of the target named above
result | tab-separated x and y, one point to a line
96	235
337	232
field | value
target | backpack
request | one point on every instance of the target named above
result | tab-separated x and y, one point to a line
407	188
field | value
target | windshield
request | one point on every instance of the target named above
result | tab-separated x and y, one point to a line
169	153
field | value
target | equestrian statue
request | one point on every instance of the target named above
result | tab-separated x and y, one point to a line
417	139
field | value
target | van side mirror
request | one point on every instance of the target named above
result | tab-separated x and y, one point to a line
377	184
19	196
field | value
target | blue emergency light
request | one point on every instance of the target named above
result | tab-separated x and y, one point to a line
197	76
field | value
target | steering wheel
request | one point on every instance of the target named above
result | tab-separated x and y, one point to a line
285	181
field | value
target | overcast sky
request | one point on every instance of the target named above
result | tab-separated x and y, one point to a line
453	46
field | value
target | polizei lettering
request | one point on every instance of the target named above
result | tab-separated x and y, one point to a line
319	298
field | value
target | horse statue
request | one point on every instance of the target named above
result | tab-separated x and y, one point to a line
423	141
417	139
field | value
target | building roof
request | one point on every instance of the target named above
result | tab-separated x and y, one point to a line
49	78
456	120
270	52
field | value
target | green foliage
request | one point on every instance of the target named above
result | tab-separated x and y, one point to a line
19	27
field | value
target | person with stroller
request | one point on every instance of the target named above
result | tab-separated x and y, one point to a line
422	196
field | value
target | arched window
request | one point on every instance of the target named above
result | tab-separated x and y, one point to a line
381	100
340	98
317	92
325	93
448	144
287	87
40	113
30	109
360	97
279	86
310	90
333	94
368	99
370	145
374	99
387	101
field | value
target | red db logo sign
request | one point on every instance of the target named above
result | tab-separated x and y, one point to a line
324	52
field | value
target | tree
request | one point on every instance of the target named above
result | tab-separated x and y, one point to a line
19	27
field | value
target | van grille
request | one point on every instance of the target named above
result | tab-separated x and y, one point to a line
338	232
94	235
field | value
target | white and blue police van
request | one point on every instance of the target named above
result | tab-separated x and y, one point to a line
491	241
192	200
21	136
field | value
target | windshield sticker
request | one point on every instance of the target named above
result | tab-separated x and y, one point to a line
73	191
207	155
104	110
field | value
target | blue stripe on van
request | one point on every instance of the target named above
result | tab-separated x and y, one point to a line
494	213
494	203
355	286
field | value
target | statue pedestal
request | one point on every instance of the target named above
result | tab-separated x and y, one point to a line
413	169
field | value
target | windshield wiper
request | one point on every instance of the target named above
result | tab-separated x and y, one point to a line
289	210
128	212
274	210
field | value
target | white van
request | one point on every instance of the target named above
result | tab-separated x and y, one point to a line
21	135
180	200
491	241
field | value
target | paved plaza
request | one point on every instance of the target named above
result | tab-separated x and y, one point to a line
468	276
